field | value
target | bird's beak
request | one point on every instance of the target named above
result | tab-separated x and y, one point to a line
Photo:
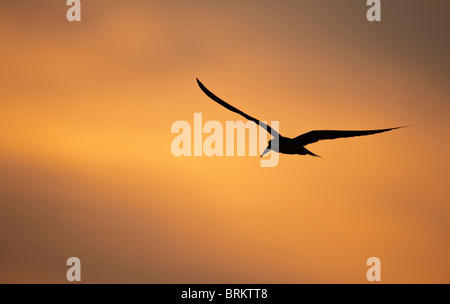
265	152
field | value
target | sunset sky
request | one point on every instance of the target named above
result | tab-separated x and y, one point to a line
86	110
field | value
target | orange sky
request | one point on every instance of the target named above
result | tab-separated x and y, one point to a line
87	170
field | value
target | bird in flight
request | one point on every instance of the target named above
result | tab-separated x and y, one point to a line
296	145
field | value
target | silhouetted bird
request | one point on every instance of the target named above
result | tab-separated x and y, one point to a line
293	145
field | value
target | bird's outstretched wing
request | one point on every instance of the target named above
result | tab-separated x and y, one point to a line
315	136
233	109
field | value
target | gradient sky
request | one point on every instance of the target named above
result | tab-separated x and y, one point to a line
86	167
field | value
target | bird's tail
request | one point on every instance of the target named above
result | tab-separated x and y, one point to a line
312	154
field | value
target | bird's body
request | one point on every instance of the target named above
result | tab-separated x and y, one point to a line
286	145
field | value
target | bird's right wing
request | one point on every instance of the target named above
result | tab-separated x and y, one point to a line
315	136
233	109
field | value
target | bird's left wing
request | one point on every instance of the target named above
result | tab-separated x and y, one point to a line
233	109
315	136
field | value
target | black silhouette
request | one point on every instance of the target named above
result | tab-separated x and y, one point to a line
295	145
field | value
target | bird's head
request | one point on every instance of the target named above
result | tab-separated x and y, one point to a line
267	150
